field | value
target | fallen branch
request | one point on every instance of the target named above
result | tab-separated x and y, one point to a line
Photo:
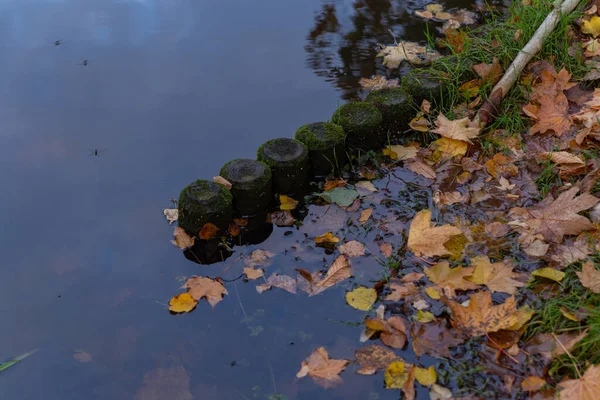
486	113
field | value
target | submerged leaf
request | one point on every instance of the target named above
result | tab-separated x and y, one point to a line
208	231
409	51
372	358
352	249
284	282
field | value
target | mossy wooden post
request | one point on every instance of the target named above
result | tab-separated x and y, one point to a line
360	121
289	162
251	185
202	202
396	107
325	142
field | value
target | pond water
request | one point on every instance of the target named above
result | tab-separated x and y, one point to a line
109	108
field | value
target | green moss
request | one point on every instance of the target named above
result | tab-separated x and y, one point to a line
201	202
325	142
423	86
360	121
395	105
251	185
289	162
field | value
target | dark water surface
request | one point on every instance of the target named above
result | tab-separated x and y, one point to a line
172	89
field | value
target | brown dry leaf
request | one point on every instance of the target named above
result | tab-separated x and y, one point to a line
554	219
457	129
419	166
449	198
200	287
562	158
450	279
469	89
82	356
497	229
284	282
330	185
208	231
446	149
505	184
426	239
233	230
182	240
365	215
566	254
339	270
378	82
397	152
386	249
590	276
532	384
400	291
259	257
585	388
352	249
489	73
181	303
480	316
392	331
281	218
434	338
498	277
171	214
425	106
547	344
409	51
501	165
372	358
324	370
222	181
253	274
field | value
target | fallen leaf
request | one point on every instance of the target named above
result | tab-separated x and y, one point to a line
378	82
561	158
585	388
259	257
386	249
498	277
400	291
568	314
419	166
200	287
433	292
425	106
365	215
332	184
428	240
372	358
450	279
397	152
409	51
554	219
327	239
549	273
457	129
434	339
208	231
532	384
500	165
424	317
287	203
547	344
419	124
233	230
366	185
589	276
182	240
446	149
438	392
284	282
343	197
591	27
392	331
222	181
82	356
361	298
425	377
324	370
489	73
505	184
339	270
352	249
181	303
523	315
171	214
281	218
396	375
469	89
480	316
253	274
497	229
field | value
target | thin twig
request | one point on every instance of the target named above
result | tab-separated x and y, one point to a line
569	354
239	300
502	350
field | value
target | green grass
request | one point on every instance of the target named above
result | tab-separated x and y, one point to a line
547	178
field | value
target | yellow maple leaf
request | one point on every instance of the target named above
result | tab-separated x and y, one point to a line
324	370
181	303
498	277
457	129
592	27
445	149
397	152
450	279
426	239
481	317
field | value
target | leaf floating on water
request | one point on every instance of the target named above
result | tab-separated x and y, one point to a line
341	196
424	317
200	287
397	152
378	82
82	356
366	185
434	339
287	203
372	358
332	184
253	274
281	218
171	214
324	370
352	249
428	240
409	51
365	215
419	166
208	231
182	240
222	181
361	298
589	277
425	377
327	239
498	277
339	271
438	392
181	303
386	249
284	282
